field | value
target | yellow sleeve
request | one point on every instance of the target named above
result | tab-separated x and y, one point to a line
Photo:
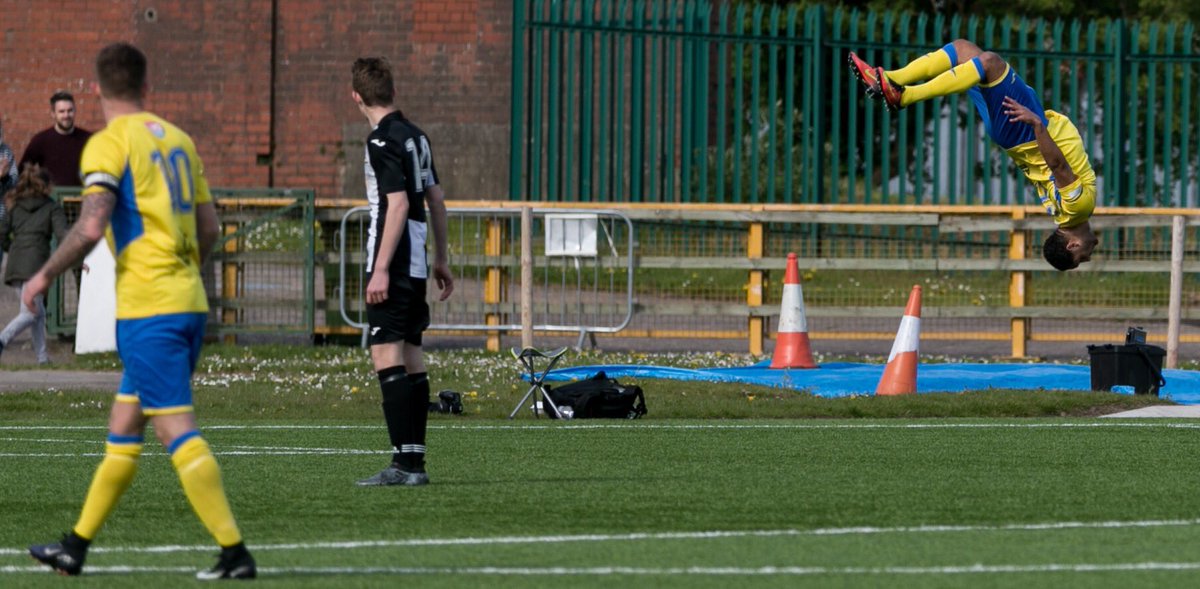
103	163
1077	201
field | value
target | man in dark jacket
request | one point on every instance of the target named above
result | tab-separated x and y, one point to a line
59	148
25	234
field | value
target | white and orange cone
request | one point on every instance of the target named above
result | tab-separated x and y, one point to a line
900	374
792	349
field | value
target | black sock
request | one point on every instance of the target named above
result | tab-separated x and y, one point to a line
419	381
74	541
233	552
393	382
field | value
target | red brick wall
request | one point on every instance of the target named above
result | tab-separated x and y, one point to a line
210	73
39	56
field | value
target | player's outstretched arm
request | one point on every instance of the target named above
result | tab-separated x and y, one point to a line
1055	160
83	236
435	199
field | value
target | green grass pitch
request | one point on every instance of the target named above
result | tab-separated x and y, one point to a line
1075	502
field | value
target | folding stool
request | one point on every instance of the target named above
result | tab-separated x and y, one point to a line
529	358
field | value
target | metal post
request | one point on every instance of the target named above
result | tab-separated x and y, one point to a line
526	277
493	288
310	262
1173	310
1016	285
517	106
229	282
754	293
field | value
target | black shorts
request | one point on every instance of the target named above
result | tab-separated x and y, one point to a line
404	316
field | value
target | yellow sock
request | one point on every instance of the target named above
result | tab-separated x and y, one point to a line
201	480
960	78
111	480
922	68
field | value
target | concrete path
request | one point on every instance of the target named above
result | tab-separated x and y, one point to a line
19	352
41	380
1162	411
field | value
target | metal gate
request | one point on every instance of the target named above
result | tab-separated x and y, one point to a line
259	281
583	268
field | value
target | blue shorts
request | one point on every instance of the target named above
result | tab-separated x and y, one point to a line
989	102
160	354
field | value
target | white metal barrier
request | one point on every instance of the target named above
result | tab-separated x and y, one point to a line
581	265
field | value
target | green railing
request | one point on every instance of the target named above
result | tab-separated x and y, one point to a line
697	101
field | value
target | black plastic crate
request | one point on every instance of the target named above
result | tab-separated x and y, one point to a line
1135	365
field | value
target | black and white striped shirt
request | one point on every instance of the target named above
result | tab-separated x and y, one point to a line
399	159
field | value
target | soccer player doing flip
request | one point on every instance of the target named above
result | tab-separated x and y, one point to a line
1044	144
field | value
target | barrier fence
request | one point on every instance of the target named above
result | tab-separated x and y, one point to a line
582	272
714	272
261	278
710	271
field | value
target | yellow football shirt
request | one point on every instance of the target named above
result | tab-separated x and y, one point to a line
1069	205
152	167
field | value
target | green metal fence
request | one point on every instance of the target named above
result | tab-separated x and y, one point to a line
699	101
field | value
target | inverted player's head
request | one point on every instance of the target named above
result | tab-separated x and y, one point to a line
62	108
372	82
1067	248
121	72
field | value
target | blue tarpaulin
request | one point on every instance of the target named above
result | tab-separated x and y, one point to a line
843	379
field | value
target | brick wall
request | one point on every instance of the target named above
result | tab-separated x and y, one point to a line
40	57
210	73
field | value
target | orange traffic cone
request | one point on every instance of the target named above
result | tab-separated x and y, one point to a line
900	375
791	341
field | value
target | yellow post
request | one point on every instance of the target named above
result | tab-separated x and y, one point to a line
754	291
1018	281
230	282
493	288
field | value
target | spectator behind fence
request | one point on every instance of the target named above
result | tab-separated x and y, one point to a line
8	178
59	148
25	234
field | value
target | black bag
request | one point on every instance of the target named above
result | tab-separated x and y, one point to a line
599	396
448	402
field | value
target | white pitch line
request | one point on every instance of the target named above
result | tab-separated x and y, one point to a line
743	571
51	440
1107	424
294	449
647	536
313	452
974	569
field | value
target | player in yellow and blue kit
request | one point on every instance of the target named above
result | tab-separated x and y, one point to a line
1044	144
142	175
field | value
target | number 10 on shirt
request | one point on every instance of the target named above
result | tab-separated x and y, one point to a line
175	168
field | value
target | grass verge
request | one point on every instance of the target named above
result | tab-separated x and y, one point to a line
337	383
